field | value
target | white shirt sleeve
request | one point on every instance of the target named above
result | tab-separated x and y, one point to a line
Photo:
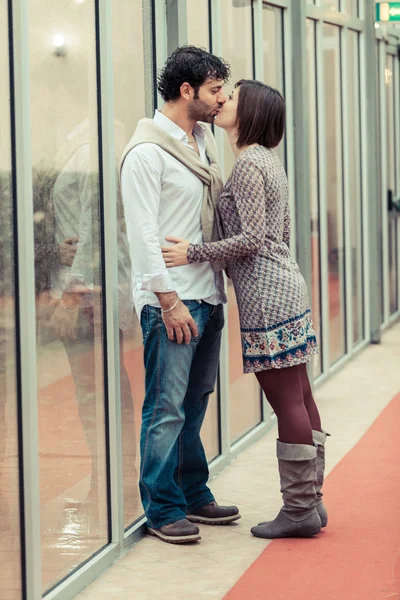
141	192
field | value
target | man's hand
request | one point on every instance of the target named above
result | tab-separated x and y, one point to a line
67	251
175	256
64	323
178	322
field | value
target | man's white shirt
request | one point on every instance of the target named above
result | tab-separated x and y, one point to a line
163	197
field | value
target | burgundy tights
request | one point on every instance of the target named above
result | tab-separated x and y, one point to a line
289	393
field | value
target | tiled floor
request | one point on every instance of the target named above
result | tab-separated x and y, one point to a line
349	403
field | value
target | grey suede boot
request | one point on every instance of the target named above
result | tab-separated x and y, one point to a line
319	438
298	517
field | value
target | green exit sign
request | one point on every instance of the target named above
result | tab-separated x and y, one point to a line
388	11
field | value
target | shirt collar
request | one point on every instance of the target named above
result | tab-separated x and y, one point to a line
173	129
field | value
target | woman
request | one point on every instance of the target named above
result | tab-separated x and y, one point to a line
278	338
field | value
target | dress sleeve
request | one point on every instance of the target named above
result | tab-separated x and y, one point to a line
248	191
286	225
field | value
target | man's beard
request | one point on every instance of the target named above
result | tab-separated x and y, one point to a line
200	111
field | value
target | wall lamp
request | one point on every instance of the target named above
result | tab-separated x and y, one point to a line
59	44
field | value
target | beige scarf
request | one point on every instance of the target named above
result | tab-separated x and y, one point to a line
148	132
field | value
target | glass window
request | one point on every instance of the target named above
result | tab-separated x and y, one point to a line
73	477
334	190
273	55
237	20
355	185
198	33
393	265
379	83
210	430
244	390
129	107
330	4
314	193
350	7
391	179
245	395
10	547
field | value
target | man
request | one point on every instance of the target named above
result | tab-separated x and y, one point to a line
170	184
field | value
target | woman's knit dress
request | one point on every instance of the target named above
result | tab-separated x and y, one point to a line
271	293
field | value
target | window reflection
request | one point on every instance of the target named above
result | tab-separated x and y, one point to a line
391	178
10	549
273	56
330	4
314	193
334	190
236	22
198	23
350	7
210	435
129	106
355	186
68	280
379	172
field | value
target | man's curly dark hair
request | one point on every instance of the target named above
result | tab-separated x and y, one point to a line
192	65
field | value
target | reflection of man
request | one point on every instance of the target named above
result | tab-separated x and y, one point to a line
75	285
170	182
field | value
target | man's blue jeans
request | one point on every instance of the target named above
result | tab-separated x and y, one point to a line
179	379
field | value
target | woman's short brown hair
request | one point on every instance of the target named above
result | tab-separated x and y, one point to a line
261	114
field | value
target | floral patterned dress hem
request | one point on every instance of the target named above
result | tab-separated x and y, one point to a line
282	345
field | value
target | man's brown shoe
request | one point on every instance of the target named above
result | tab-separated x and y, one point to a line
212	514
180	532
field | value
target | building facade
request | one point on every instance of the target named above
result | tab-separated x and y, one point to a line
77	76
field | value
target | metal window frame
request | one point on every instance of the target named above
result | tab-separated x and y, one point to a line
316	141
26	303
16	375
347	218
160	41
224	385
287	32
258	73
397	146
396	66
332	17
345	119
384	181
389	47
176	26
325	342
364	186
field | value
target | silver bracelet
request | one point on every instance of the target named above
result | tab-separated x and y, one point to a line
71	310
165	310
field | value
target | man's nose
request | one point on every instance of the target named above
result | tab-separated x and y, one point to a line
222	98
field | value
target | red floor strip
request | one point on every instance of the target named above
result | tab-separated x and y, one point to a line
357	557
